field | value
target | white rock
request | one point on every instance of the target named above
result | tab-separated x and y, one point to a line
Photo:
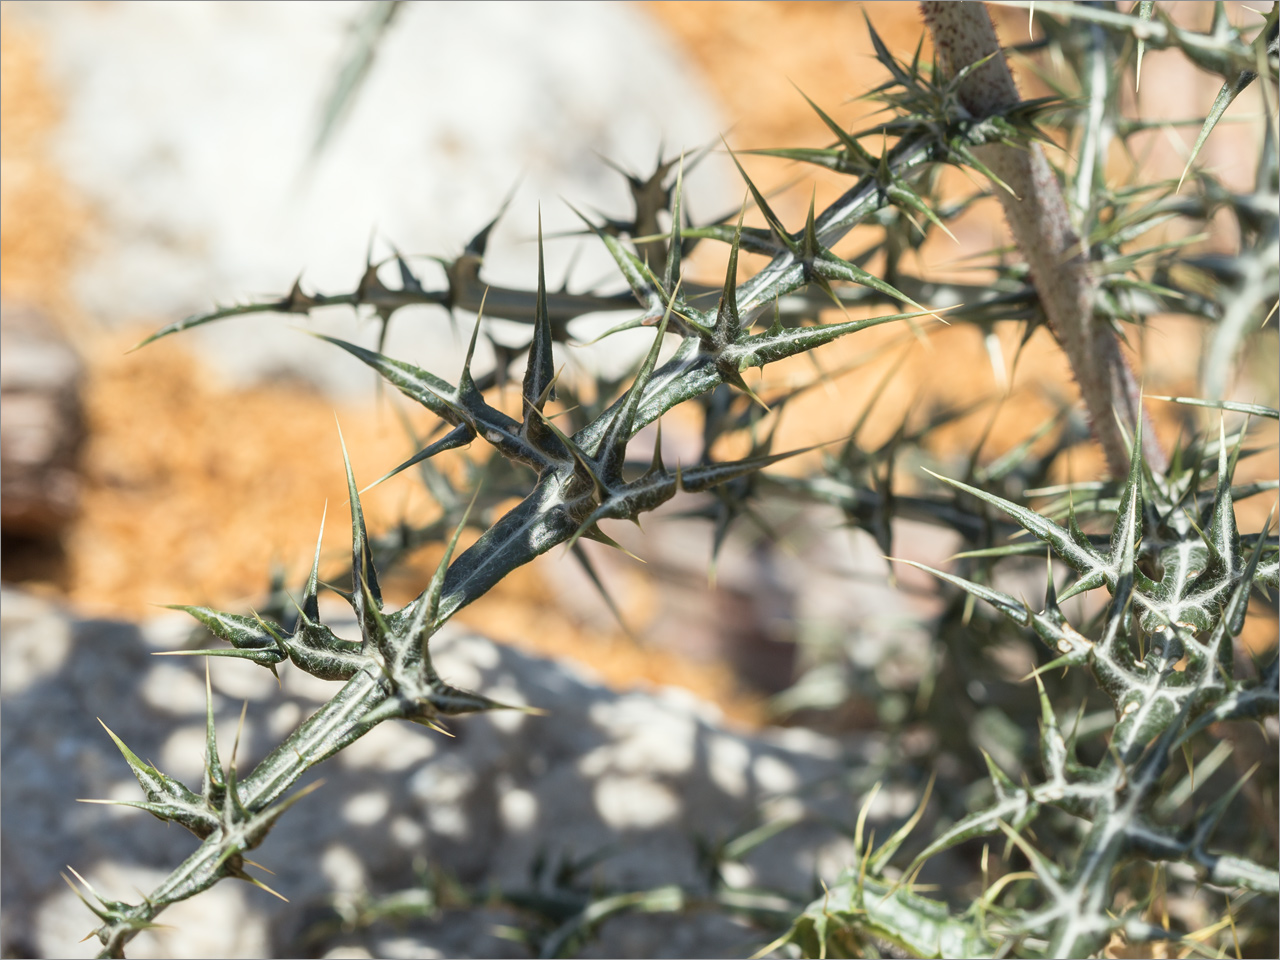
188	129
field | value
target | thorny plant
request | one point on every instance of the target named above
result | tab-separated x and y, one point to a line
1179	574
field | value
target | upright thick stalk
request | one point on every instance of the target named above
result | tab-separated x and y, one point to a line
1037	213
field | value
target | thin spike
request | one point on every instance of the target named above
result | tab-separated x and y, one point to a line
848	142
310	601
728	325
364	577
432	600
589	569
810	247
214	781
408	281
613	447
675	247
1083	559
466	384
477	245
585	464
97	911
779	231
541	366
656	466
460	436
1129	513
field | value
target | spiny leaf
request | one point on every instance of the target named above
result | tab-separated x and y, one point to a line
1253	409
1145	9
855	150
466	383
589	569
1226	96
613	447
882	856
246	634
540	371
219	313
431	598
415	383
675	247
779	231
1013	609
1082	559
310	608
214	781
779	344
644	286
460	436
366	595
901	193
1129	512
163	792
728	323
699	478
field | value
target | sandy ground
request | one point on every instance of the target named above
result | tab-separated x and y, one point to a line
192	489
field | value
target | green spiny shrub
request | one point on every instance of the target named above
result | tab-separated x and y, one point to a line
1104	824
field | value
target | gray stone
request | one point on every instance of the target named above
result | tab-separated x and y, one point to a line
629	785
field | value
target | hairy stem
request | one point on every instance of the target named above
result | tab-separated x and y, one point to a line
1041	225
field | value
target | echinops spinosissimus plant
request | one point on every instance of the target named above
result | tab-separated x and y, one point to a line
1101	821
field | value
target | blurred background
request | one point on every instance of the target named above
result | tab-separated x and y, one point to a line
160	158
